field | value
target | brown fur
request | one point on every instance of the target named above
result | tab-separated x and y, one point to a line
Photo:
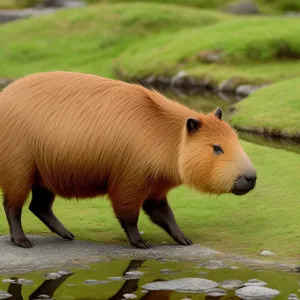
80	135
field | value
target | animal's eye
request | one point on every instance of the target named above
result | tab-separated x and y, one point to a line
217	149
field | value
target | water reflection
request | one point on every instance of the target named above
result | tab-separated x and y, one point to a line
48	287
132	284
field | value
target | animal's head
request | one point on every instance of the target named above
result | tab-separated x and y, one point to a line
212	159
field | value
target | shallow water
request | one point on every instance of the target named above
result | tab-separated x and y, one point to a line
73	286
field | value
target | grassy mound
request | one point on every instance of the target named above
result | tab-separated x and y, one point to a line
244	44
89	39
276	108
266	6
263	219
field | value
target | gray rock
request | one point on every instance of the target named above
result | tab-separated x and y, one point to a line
166	271
231	284
202	273
213	265
246	7
266	253
129	296
256	292
91	281
64	272
246	89
215	292
53	275
43	296
117	278
4	295
133	274
229	85
255	282
195	285
234	267
293	297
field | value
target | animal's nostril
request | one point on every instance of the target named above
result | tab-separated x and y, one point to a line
250	178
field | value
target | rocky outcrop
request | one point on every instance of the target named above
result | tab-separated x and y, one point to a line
42	9
243	8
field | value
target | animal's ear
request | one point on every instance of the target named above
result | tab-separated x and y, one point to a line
193	124
219	113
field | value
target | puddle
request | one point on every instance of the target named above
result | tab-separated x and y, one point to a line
125	279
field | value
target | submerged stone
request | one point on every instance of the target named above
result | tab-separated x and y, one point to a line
256	292
133	274
4	295
43	296
293	297
255	282
117	278
53	275
182	285
231	284
91	281
214	264
129	296
215	292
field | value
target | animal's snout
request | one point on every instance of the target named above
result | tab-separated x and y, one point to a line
245	183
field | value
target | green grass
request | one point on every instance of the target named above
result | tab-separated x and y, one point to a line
276	107
258	49
265	6
89	39
267	218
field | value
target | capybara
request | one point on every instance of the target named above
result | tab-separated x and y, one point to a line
80	136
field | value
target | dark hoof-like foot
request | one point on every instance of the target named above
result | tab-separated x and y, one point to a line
140	244
183	240
68	235
22	242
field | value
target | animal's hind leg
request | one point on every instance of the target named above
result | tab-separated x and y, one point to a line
161	214
13	215
41	206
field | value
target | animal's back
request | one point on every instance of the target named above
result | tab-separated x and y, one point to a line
79	132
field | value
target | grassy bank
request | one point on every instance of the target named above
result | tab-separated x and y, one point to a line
276	108
255	49
89	39
264	219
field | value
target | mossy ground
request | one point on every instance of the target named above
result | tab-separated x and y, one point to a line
142	38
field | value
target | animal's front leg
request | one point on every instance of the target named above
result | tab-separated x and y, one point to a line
127	210
161	214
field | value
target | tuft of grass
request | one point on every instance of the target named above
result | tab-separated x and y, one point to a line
254	40
89	39
263	219
275	107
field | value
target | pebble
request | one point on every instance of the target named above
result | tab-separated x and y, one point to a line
215	292
182	285
166	271
129	296
213	265
133	274
234	267
43	296
202	273
64	272
91	281
255	282
117	278
293	297
266	253
53	275
256	292
231	284
4	295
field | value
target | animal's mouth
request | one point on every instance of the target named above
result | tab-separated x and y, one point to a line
243	185
239	192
